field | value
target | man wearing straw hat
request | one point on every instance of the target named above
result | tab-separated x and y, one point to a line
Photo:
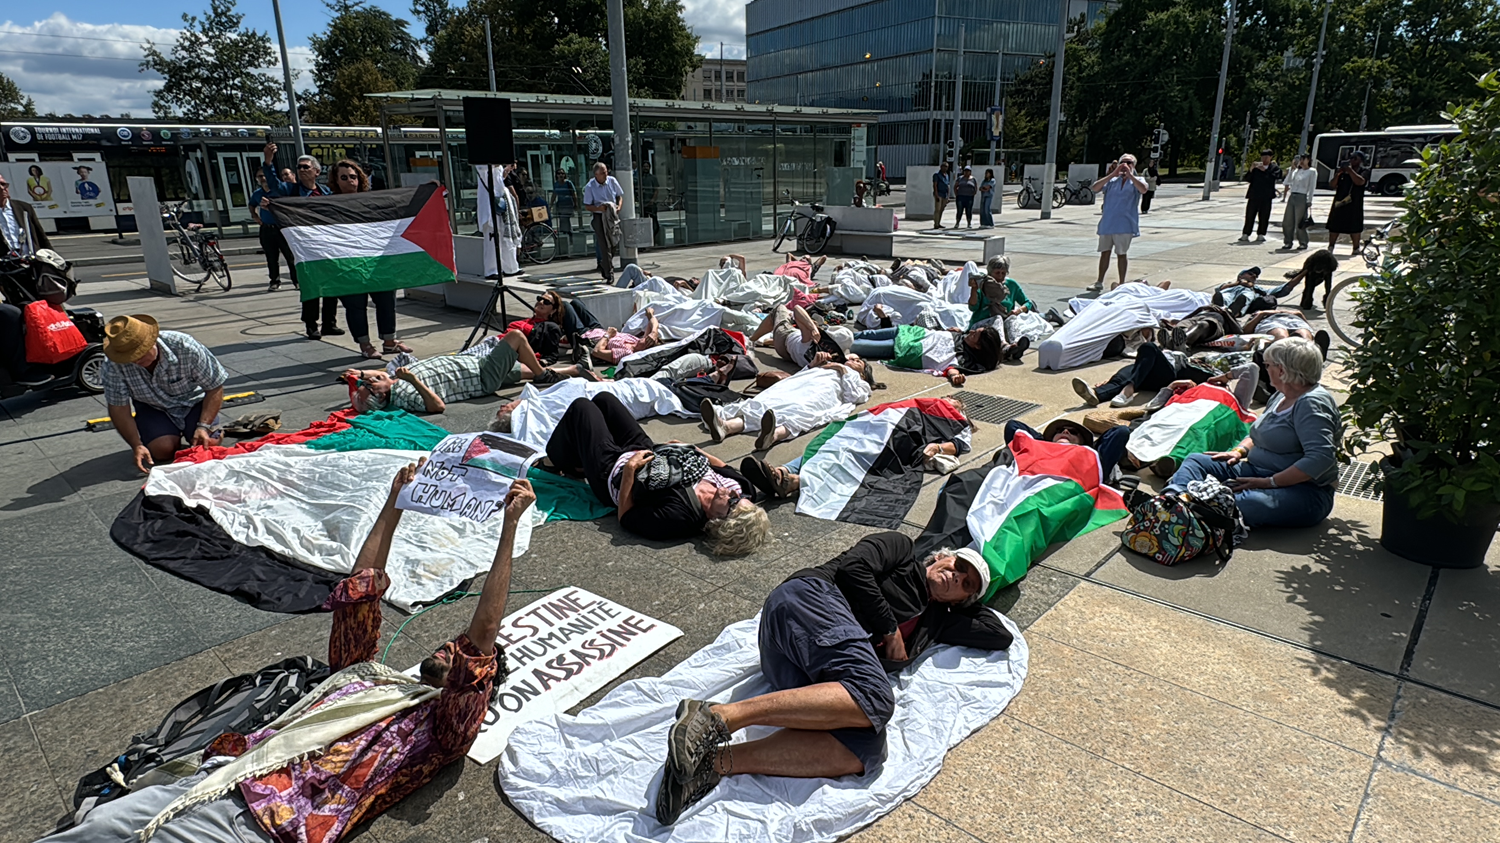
175	384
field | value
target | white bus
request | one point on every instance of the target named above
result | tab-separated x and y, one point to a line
1386	153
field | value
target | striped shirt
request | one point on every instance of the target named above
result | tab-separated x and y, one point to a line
184	372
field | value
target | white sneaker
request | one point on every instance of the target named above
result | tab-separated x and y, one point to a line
1244	239
1096	287
1121	400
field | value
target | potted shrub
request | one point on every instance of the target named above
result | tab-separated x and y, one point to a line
1426	377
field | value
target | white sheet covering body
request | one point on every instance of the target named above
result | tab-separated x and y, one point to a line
807	400
954	287
758	292
1083	340
317	507
540	410
909	307
1166	304
681	317
593	778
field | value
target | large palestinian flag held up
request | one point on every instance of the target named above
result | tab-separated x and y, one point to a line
1204	418
368	242
1053	492
867	469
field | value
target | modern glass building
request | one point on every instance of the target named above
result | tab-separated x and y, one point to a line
899	57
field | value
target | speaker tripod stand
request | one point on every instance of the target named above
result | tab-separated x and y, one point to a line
497	296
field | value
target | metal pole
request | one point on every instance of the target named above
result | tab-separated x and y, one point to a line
489	52
619	90
445	166
934	128
1049	167
1211	170
958	104
1366	106
721	72
999	60
286	77
1312	91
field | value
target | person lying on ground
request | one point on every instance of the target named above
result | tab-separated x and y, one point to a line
428	385
1243	295
796	337
1317	268
633	276
950	354
548	308
792	406
688	493
1285	472
996	294
175	385
1163	284
798	269
1110	445
1283	323
1206	324
828	637
1155	369
368	736
919	275
616	345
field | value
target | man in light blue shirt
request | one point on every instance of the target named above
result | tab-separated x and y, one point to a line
1120	221
603	196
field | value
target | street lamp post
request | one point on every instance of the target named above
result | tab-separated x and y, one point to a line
1210	170
286	75
1049	169
1312	91
958	104
619	90
489	52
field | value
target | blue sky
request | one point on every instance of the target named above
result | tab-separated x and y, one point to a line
81	56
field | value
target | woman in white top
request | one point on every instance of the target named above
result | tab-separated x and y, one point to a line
792	406
1298	187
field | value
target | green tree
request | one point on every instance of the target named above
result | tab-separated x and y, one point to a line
365	50
13	103
214	70
434	15
562	51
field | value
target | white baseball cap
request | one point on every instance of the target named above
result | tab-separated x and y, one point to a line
971	556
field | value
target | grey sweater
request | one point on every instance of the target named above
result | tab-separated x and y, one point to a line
1305	435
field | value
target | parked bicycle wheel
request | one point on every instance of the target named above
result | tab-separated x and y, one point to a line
186	263
1024	197
1342	311
816	237
788	229
216	267
1059	197
539	243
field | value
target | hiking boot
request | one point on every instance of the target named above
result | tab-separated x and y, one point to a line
693	739
1164	468
674	796
1085	392
767	436
711	420
333	331
1323	340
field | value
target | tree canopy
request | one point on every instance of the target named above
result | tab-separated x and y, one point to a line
13	103
365	50
214	71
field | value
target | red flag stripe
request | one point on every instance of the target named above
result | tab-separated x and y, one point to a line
1077	463
1216	394
940	407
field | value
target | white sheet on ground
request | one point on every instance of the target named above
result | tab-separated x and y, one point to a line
906	306
682	317
758	292
317	507
540	410
1083	339
593	777
809	399
1166	304
954	287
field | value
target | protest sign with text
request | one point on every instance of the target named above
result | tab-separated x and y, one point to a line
467	476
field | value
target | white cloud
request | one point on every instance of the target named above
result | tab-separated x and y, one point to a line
72	67
714	21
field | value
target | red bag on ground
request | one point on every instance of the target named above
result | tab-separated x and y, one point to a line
51	337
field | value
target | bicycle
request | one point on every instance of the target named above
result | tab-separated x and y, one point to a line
813	232
197	251
1031	192
538	237
1340	306
1080	195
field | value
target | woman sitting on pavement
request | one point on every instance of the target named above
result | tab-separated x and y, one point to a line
792	406
951	354
1284	473
1154	370
828	636
996	295
427	385
689	493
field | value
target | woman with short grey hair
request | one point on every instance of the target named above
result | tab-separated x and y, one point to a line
1284	473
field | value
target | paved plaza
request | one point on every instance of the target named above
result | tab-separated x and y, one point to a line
1316	688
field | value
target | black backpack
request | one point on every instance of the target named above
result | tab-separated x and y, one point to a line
239	704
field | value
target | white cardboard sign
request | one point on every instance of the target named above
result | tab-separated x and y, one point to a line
467	476
560	649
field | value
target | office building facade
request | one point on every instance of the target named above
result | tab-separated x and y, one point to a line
718	80
899	57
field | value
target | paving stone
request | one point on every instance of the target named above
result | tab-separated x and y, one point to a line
1460	643
912	822
214	618
298	635
31	484
10	699
1448	739
463	804
101	471
33	804
1403	807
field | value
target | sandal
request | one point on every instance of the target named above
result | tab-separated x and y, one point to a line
368	350
394	346
767	438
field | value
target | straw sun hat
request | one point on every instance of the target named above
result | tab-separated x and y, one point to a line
129	338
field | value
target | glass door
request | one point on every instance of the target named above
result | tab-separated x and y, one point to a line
236	183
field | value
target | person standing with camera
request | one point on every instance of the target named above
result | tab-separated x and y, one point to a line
1262	179
1120	220
1347	216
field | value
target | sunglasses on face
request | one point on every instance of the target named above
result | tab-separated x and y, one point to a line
734	501
540	300
304	166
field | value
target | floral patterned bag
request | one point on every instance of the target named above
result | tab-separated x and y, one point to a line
1175	527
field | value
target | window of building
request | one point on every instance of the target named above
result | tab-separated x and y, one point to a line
708	75
739	76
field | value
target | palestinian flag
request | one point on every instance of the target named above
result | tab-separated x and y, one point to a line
1204	418
368	242
1054	492
867	469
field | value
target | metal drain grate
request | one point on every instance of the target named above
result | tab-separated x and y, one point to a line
1361	480
993	409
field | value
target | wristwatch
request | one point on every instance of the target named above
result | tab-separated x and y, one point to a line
205	426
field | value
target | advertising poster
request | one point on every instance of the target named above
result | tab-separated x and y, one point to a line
61	188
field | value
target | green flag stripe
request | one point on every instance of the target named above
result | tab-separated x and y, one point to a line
346	276
828	433
1052	514
1219	430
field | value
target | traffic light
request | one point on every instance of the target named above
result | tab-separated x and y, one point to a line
950	146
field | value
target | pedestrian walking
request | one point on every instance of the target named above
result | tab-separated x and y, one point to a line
565	202
964	190
987	200
1120	219
1297	190
1153	178
941	181
306	184
1262	180
603	197
1347	216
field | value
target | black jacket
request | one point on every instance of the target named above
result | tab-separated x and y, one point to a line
674	513
31	226
886	586
1262	183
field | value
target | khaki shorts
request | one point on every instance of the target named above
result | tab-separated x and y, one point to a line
1119	243
784	326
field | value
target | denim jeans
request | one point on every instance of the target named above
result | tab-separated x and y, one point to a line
630	276
876	344
1302	505
986	214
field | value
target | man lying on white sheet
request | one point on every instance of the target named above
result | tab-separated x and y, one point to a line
534	414
678	316
905	306
792	406
1085	337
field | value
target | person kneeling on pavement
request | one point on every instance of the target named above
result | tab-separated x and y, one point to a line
175	385
356	745
828	637
427	386
1284	473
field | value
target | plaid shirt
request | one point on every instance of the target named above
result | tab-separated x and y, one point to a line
453	377
184	371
